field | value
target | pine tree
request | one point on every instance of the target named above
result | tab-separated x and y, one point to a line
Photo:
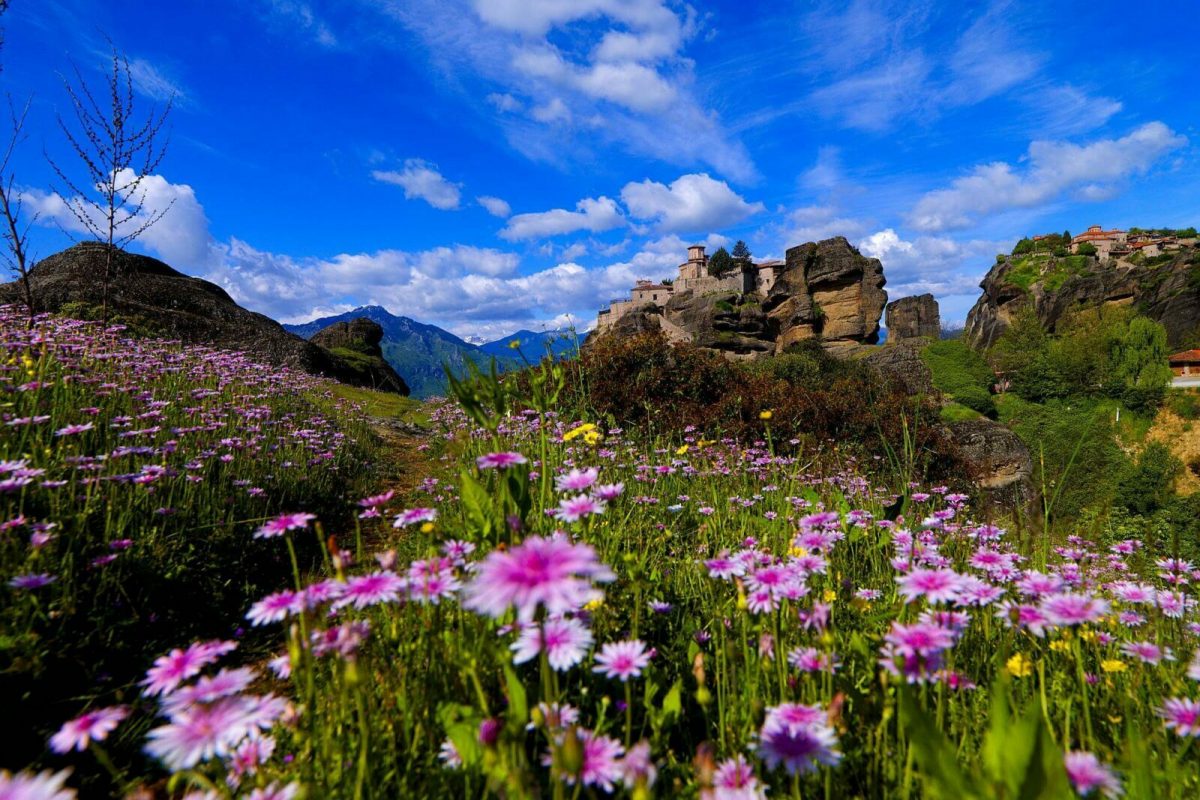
720	263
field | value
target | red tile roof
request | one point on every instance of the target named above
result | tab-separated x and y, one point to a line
1186	357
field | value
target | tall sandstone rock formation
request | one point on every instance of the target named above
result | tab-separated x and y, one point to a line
912	318
830	291
826	290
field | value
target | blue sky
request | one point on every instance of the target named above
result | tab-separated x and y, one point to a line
486	165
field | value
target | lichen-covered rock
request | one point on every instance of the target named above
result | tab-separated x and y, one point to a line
729	322
1164	290
150	295
354	344
998	461
902	362
913	317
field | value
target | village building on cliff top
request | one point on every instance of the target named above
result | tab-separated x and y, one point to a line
745	278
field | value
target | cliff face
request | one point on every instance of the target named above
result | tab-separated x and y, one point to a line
1165	288
826	290
151	295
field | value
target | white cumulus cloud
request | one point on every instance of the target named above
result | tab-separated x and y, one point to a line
590	214
494	205
1053	169
420	179
693	202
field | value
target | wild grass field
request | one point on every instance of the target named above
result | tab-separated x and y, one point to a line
213	588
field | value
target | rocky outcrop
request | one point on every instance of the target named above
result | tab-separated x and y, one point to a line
901	361
1166	289
913	317
999	462
827	290
355	345
153	298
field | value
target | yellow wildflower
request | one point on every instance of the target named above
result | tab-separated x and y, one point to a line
682	450
515	344
1019	666
797	552
1113	665
592	605
578	431
1059	646
829	596
592	438
1088	635
427	527
765	414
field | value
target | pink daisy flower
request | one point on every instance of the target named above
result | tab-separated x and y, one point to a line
573	509
1147	652
1181	715
369	590
576	480
601	765
622	660
566	642
44	785
735	780
275	607
282	524
608	492
94	726
1067	609
552	573
1088	773
500	460
414	515
178	665
797	738
935	585
203	732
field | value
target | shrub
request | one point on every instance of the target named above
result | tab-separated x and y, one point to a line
813	398
1086	249
977	399
1148	484
1184	404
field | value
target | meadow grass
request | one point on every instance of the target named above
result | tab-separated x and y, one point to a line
563	610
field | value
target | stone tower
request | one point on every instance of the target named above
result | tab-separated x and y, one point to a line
697	263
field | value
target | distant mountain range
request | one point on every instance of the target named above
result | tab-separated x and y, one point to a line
417	351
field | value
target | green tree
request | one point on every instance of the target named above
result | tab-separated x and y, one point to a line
741	252
1087	249
720	263
1023	246
1139	363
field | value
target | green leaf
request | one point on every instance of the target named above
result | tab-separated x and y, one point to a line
996	742
1045	777
672	706
518	703
935	756
478	504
